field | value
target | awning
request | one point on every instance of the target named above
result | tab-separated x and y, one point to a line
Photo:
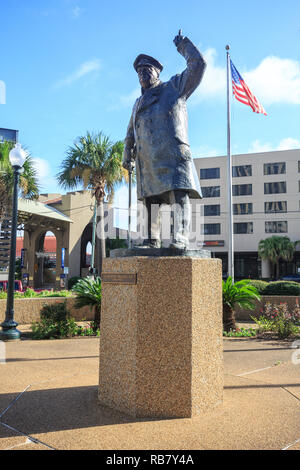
27	208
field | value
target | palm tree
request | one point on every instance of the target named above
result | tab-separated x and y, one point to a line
241	293
88	292
95	163
275	248
28	183
28	186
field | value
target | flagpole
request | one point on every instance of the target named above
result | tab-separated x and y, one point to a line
229	171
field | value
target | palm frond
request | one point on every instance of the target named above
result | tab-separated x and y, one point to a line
93	162
239	293
28	185
88	293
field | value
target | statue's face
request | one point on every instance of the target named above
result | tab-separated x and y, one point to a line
148	75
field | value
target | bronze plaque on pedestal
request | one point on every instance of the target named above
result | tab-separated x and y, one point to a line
119	278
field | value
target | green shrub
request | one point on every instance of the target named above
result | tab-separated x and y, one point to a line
240	333
55	323
46	329
88	291
19	295
240	293
260	285
90	330
29	293
282	288
59	293
55	312
73	281
43	293
264	324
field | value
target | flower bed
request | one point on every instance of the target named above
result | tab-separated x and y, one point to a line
279	319
245	315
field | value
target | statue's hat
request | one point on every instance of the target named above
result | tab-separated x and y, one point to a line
144	59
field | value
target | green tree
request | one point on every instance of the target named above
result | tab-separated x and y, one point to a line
94	163
88	292
28	183
276	248
241	293
114	243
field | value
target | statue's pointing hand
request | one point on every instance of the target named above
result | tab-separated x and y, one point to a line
178	39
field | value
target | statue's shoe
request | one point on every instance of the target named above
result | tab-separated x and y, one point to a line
149	244
178	246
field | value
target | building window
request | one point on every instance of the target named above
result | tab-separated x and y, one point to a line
243	227
275	188
242	190
274	168
275	207
209	173
211	210
243	208
211	191
241	170
299	167
277	227
211	229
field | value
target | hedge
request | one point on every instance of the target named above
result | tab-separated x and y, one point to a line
260	285
276	287
282	288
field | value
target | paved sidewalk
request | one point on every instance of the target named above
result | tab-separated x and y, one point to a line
48	400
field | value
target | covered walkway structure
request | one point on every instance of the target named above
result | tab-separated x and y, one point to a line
37	219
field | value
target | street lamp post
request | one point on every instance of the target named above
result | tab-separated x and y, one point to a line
17	157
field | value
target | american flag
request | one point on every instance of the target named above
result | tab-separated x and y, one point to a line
242	92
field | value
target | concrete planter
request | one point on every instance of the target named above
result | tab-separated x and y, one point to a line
244	315
28	310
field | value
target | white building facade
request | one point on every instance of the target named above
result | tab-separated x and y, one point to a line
266	202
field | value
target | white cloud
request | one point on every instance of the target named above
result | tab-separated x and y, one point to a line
125	101
128	100
214	80
43	169
285	144
257	146
274	80
204	151
2	92
76	11
83	70
288	144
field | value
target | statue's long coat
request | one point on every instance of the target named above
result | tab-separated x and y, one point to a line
157	132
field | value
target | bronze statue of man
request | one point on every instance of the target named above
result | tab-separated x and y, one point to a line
157	142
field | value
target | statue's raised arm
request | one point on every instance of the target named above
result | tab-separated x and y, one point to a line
189	80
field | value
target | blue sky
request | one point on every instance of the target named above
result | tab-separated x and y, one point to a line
67	68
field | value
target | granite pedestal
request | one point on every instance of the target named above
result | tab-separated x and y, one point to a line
161	352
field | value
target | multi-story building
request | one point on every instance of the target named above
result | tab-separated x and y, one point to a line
266	202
